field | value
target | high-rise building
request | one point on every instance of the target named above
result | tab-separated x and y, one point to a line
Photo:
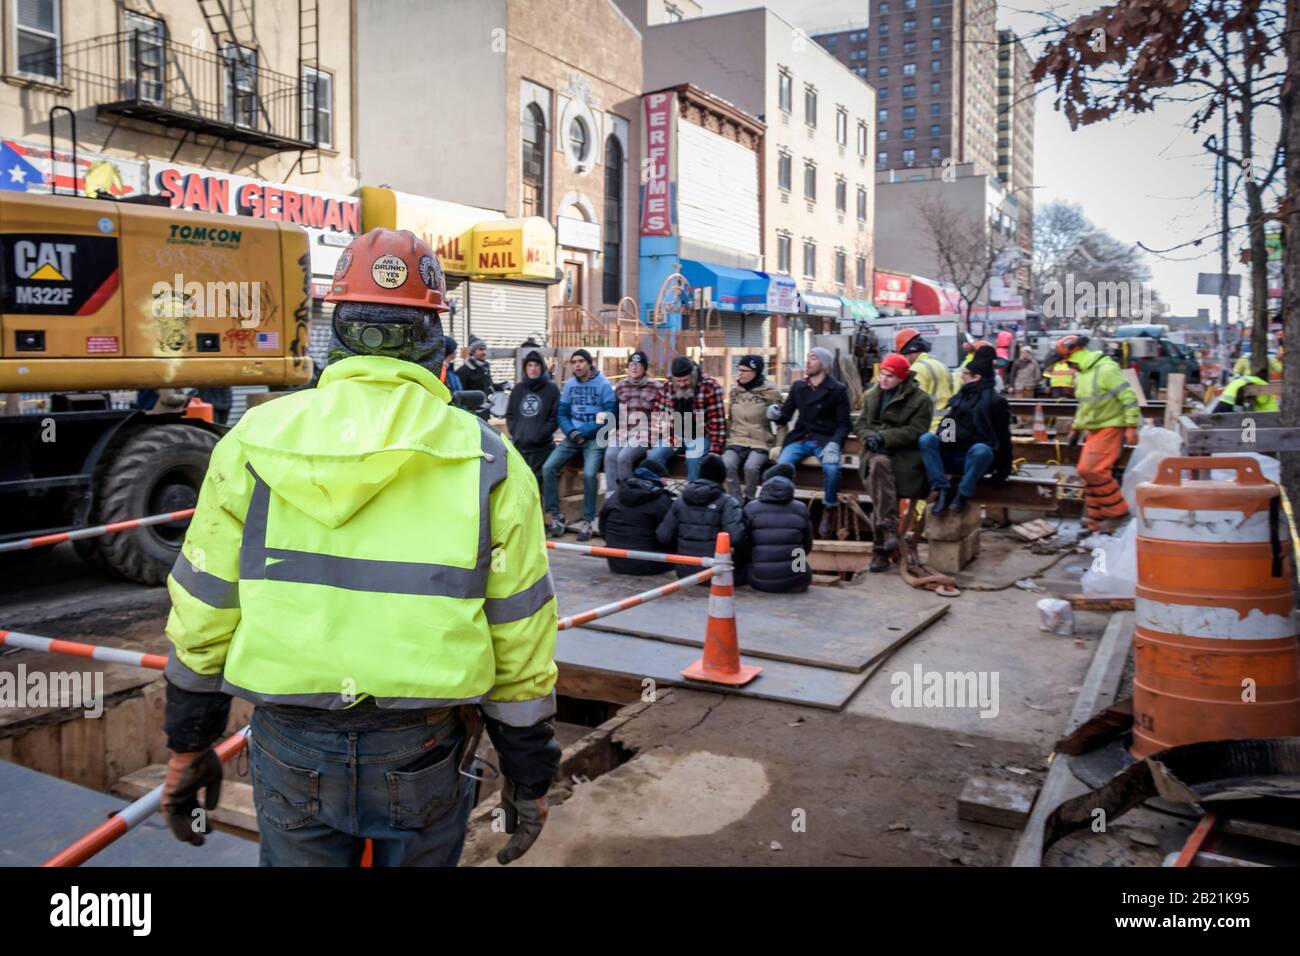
1016	129
933	64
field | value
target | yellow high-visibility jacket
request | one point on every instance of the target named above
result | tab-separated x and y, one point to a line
1257	403
1106	400
365	538
1060	375
936	381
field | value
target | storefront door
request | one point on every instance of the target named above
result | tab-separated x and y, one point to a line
572	290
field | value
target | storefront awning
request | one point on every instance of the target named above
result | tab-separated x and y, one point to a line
524	248
934	298
734	290
821	303
780	295
860	309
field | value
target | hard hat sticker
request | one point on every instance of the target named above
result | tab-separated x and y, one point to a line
341	266
431	273
388	271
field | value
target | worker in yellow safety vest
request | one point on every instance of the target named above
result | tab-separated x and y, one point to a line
367	564
931	375
1243	366
1231	398
1060	379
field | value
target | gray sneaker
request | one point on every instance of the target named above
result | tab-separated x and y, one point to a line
584	530
557	527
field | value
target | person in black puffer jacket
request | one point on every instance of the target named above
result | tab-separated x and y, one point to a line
778	527
703	510
633	514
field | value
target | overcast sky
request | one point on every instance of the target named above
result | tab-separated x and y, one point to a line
1143	178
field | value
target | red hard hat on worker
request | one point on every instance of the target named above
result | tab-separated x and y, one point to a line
1070	344
904	336
390	267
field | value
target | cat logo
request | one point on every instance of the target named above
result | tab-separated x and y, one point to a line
50	261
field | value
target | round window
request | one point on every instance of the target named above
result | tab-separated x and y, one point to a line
579	141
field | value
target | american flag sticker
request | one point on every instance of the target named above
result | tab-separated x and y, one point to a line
268	340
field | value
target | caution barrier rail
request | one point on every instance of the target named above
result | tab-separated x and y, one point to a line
601	552
80	534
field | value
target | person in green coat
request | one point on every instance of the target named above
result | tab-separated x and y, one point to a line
895	414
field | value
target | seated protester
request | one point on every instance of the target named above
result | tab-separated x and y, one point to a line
476	373
895	414
973	438
780	535
690	416
632	515
629	437
749	433
532	416
703	510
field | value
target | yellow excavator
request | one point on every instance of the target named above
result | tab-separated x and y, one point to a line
99	295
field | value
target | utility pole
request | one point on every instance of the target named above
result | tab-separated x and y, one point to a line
1222	158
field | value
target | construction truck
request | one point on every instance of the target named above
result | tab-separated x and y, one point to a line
98	296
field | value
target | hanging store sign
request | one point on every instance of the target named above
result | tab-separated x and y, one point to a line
659	164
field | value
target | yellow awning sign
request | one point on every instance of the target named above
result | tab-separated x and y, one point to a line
467	241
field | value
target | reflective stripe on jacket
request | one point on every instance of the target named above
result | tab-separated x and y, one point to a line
936	381
1106	400
365	538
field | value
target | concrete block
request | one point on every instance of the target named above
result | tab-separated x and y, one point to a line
996	801
953	527
951	556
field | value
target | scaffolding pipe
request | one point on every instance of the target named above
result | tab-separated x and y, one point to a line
82	533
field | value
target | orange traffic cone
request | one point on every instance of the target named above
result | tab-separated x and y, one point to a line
721	661
197	408
1040	424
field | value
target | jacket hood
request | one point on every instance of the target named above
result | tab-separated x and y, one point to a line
1085	358
777	490
329	450
701	491
633	491
535	383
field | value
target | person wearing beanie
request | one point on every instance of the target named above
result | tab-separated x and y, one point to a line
532	415
627	438
703	510
779	536
586	401
476	373
896	412
750	436
690	417
632	515
821	404
973	439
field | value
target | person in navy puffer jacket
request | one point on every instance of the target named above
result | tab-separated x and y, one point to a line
780	536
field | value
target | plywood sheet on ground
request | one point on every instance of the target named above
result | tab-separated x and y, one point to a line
843	630
662	662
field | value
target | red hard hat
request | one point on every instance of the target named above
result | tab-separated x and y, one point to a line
895	365
390	267
903	336
1070	343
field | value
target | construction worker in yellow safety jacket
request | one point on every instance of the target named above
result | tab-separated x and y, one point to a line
1109	415
1060	379
367	564
1232	400
1243	367
931	375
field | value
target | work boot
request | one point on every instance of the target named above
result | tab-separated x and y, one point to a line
830	521
584	530
958	503
879	554
940	502
557	526
891	540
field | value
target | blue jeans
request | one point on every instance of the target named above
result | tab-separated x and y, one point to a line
320	791
796	452
694	448
592	456
942	460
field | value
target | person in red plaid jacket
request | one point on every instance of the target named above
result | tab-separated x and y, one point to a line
628	437
690	417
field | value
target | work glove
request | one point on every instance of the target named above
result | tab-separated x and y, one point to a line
1130	436
875	442
575	436
831	453
1072	439
524	821
187	774
773	412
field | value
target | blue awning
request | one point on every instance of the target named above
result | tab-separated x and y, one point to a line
820	303
734	290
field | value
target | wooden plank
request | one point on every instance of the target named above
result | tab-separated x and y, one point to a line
663	663
81	744
155	707
1133	380
574	680
39	749
1099	602
126	748
1174	401
1207	441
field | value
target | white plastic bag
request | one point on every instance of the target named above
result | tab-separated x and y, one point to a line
1154	445
1056	616
1114	563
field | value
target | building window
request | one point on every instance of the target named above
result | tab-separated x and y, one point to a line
884	7
909	89
783	170
883	71
934	130
38	37
909	156
882	93
612	282
882	116
842	127
145	59
909	132
909	69
672	13
909	47
936	22
241	85
862	204
809	259
936	44
935	109
882	159
810	181
935	87
783	254
884	29
909	26
934	153
785	91
317	107
534	161
909	112
883	49
810	106
862	139
839	266
862	272
936	66
882	136
579	140
841	196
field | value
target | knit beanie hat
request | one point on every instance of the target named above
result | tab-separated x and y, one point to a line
682	366
712	468
779	470
895	364
982	363
825	357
